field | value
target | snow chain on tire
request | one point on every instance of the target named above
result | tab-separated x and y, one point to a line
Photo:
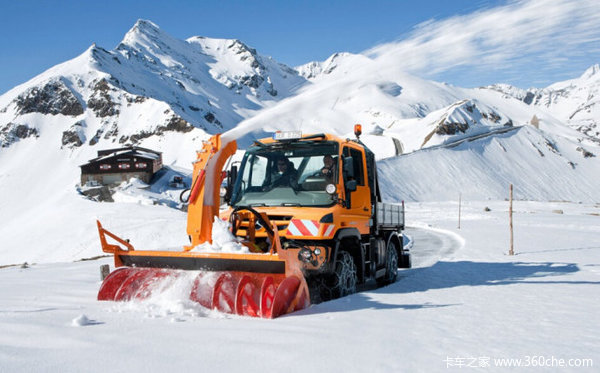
391	264
343	281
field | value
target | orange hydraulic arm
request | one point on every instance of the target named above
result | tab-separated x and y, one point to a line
204	196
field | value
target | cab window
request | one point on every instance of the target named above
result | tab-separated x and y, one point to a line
357	160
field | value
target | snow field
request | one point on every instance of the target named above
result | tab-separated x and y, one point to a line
472	302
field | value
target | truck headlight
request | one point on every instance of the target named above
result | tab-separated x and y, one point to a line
331	188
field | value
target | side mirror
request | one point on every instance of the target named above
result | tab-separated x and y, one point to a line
348	167
351	185
231	177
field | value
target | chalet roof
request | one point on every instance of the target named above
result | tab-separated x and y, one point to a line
133	151
131	147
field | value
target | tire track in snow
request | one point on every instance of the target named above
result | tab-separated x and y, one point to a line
428	245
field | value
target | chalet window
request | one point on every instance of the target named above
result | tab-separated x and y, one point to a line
105	167
124	166
141	165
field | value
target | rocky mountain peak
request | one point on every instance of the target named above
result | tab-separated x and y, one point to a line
335	62
591	71
147	36
466	114
143	27
239	47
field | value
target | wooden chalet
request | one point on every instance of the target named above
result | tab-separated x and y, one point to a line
113	166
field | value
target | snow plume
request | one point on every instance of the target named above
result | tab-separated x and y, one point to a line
527	37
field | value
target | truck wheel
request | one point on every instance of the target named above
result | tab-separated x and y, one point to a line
391	264
343	281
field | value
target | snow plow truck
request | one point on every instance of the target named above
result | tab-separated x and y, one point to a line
308	210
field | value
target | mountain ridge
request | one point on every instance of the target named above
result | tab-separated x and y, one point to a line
157	91
575	101
110	85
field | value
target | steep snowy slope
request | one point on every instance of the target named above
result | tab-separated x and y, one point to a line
541	165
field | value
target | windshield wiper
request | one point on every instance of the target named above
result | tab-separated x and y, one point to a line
290	204
257	204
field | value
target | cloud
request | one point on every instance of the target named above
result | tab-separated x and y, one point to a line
545	35
535	39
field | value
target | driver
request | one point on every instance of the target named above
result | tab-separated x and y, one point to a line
286	175
328	167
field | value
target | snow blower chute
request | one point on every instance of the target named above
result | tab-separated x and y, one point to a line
266	284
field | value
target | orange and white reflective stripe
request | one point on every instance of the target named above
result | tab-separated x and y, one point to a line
310	228
329	231
303	227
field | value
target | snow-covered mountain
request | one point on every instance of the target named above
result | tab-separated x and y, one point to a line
339	62
473	142
151	84
154	90
576	102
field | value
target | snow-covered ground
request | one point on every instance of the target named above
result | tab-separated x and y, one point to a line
465	303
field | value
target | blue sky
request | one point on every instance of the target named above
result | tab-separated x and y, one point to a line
36	35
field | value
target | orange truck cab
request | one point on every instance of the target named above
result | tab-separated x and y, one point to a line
321	193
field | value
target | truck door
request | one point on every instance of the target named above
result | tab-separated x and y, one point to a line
360	199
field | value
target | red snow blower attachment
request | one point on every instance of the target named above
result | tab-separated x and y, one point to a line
266	284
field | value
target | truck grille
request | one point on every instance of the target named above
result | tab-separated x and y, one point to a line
281	221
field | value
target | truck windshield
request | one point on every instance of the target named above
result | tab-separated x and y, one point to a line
287	174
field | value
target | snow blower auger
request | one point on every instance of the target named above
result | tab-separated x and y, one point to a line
266	284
